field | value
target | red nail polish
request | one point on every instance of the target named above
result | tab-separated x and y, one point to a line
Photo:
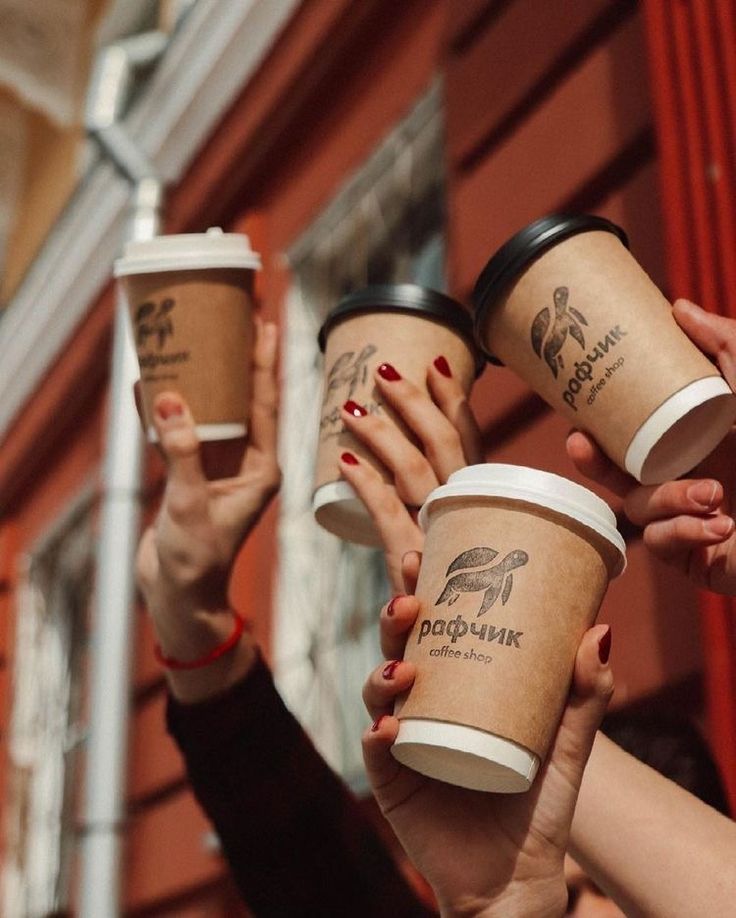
389	669
376	725
604	647
390	608
443	366
386	371
357	411
169	408
349	459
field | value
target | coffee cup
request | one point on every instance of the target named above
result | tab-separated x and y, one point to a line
407	326
516	563
565	305
190	299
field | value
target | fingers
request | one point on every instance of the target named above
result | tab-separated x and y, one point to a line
644	505
396	621
397	530
385	684
589	460
434	427
591	692
410	564
178	440
264	407
450	398
673	539
715	335
413	475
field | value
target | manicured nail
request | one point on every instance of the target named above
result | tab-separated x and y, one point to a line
349	459
720	526
169	408
391	608
389	669
376	725
604	646
386	371
443	366
357	411
703	493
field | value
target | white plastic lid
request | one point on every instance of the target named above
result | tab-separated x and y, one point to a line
517	482
213	249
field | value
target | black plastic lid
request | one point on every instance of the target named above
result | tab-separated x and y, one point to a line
528	244
404	298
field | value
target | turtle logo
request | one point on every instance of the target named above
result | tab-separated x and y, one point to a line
151	321
497	580
566	319
350	370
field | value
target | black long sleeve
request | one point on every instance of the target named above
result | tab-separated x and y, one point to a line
296	839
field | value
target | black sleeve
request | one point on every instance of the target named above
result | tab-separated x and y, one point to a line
296	839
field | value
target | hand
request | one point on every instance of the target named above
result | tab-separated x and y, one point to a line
484	854
185	559
448	438
687	522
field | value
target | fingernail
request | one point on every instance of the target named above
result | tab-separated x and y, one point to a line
349	459
391	606
357	411
376	725
720	526
169	408
389	669
386	371
703	493
604	646
443	366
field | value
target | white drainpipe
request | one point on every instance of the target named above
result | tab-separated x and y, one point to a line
113	633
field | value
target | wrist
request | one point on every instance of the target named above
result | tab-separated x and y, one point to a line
519	899
207	656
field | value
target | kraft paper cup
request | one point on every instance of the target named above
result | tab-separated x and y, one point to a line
190	300
515	566
402	324
565	305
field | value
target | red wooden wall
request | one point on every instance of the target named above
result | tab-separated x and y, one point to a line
543	111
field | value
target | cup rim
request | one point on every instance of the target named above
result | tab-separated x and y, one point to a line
408	298
522	248
522	483
187	252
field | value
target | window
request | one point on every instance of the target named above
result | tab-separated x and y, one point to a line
384	225
45	730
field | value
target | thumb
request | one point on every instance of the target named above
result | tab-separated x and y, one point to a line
178	439
592	689
713	334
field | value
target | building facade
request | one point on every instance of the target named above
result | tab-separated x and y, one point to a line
354	142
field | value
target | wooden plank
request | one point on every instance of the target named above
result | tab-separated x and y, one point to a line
514	62
167	852
154	761
653	614
551	155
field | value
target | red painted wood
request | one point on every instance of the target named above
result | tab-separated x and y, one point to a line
550	156
685	54
486	81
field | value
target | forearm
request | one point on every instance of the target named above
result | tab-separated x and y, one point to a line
296	839
655	849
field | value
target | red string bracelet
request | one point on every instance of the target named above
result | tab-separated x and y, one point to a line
214	654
